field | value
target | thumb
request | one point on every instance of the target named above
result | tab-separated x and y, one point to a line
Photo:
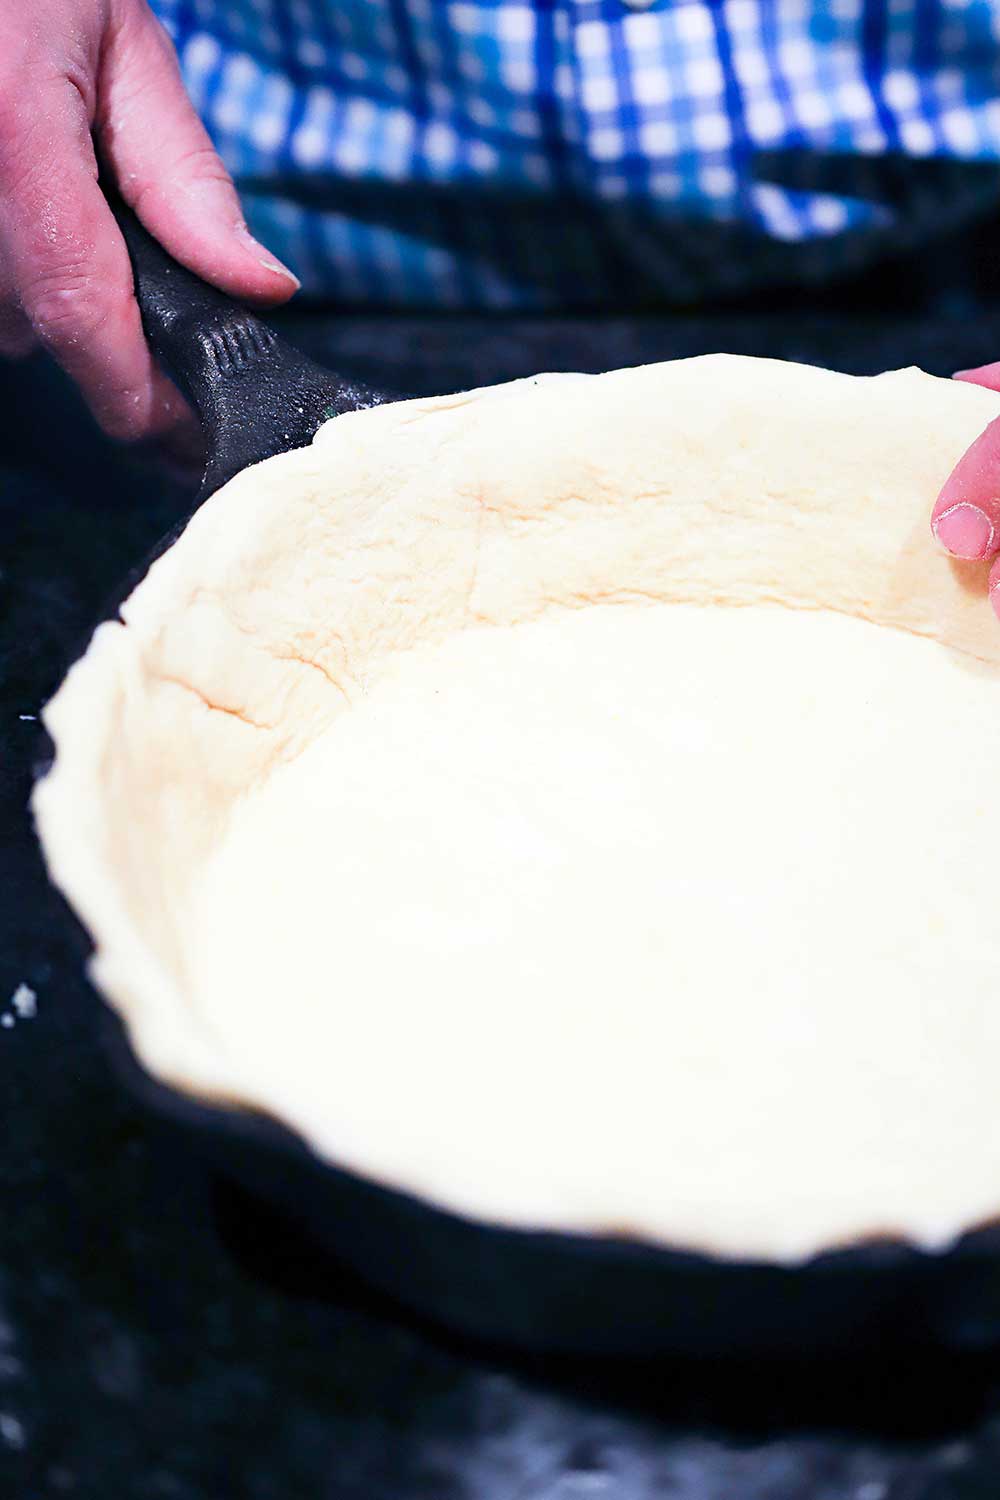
167	170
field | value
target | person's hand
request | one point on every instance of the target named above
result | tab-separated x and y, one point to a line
74	73
966	518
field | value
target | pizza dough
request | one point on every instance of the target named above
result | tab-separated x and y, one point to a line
535	798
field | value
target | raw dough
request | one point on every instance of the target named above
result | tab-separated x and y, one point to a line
435	797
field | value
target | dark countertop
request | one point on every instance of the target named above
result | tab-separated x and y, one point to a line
164	1338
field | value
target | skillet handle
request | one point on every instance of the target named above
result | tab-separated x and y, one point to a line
188	323
255	394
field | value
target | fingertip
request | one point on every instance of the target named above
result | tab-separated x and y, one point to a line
133	411
966	516
125	420
195	228
287	283
965	531
175	429
168	408
154	412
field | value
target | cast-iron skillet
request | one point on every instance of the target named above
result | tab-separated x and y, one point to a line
606	1292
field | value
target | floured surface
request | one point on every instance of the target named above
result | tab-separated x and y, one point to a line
607	920
766	505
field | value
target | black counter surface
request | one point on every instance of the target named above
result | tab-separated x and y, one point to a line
163	1337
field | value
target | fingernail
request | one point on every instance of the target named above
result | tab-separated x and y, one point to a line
965	530
262	255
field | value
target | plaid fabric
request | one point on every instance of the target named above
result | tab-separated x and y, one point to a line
504	153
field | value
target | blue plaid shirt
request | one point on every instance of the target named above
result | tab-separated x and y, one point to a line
542	153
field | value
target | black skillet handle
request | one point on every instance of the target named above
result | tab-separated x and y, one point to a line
255	394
